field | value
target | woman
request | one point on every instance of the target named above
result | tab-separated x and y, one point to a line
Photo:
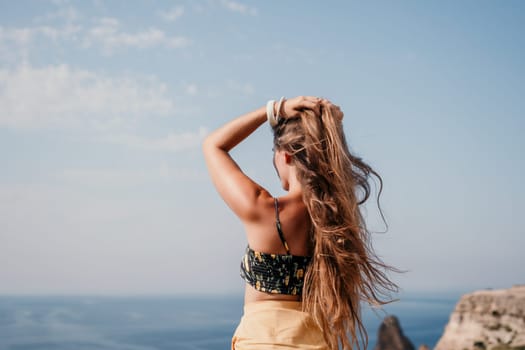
309	261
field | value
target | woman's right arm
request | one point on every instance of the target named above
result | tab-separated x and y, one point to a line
240	192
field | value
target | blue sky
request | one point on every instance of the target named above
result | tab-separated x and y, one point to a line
103	105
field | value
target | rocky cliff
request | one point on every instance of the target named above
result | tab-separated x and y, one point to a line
390	336
488	319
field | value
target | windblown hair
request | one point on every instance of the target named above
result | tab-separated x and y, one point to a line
345	269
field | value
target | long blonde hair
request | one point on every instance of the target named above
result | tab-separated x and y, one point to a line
344	270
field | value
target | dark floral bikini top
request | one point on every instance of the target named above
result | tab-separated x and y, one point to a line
275	273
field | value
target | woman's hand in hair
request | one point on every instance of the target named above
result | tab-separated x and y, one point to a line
335	109
292	108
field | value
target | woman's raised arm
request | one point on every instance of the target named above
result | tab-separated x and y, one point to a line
239	192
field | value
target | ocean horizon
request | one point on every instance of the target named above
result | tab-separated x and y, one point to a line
175	322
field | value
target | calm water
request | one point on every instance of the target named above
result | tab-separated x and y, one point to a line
158	323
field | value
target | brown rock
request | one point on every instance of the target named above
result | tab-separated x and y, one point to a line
485	320
391	337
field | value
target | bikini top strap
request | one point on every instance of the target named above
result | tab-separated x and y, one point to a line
278	225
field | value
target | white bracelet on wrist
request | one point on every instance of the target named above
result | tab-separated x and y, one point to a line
278	115
270	114
273	118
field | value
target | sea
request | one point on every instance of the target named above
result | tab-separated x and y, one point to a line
175	322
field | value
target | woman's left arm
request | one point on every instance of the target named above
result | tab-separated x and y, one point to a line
240	193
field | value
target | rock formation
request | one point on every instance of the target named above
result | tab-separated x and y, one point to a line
390	336
486	320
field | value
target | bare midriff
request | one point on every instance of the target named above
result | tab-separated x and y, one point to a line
251	295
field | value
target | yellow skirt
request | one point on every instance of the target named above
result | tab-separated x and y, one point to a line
274	324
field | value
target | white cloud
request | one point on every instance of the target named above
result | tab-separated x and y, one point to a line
229	87
65	97
239	8
24	36
173	142
59	2
105	34
108	35
243	88
67	13
114	178
103	177
173	14
16	43
19	36
192	89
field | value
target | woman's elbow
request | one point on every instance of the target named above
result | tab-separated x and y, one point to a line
207	144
